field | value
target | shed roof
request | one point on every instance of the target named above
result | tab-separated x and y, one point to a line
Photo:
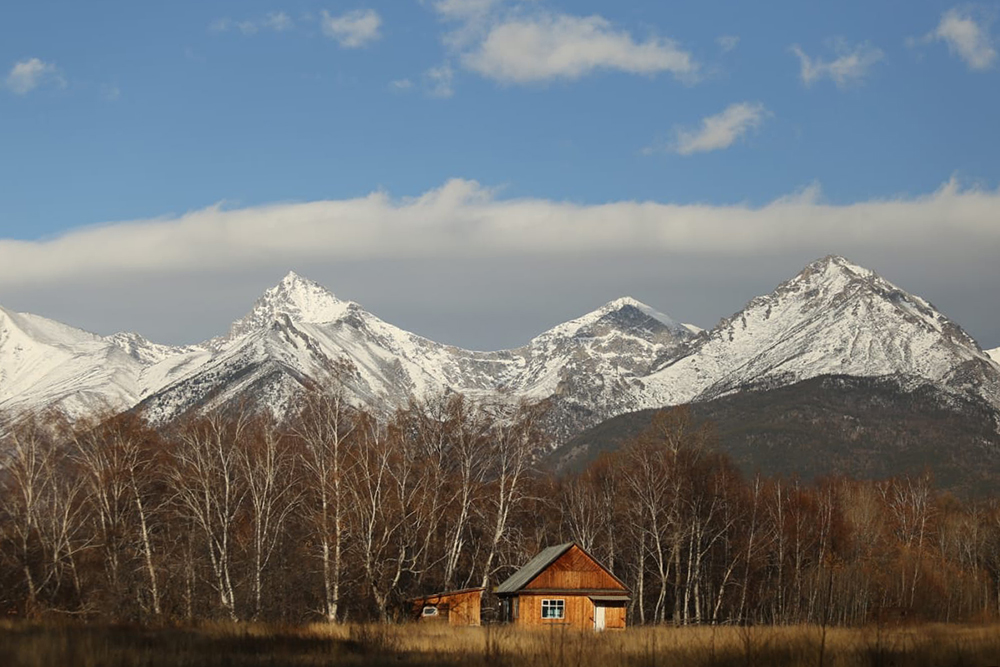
533	568
446	594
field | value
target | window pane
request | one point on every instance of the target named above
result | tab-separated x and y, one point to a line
553	608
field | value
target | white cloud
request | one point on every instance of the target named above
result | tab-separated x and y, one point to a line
220	25
721	130
276	21
400	85
440	81
850	66
279	21
549	46
728	42
247	27
353	29
462	218
26	75
465	9
966	37
529	46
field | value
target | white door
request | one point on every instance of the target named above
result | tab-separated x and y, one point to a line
599	617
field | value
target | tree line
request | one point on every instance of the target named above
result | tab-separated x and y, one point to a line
337	514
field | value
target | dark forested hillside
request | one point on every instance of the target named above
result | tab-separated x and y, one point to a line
867	428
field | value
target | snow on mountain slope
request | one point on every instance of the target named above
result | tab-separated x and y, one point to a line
994	354
299	332
832	318
46	364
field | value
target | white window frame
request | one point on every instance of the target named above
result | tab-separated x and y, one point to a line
429	610
556	608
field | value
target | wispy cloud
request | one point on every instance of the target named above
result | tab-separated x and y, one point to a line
275	21
353	29
533	46
440	81
400	85
27	75
279	21
728	42
464	218
111	92
850	66
719	131
966	37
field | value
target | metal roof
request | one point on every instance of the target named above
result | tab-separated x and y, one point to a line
533	568
609	598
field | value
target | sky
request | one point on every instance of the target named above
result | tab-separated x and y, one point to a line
477	171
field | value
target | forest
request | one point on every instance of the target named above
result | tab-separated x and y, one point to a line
339	515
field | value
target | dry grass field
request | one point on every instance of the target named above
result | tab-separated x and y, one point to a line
239	645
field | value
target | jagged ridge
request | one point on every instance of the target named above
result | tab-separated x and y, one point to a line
832	318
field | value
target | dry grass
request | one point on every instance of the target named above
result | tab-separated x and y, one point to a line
252	645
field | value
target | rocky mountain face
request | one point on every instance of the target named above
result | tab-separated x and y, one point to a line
832	318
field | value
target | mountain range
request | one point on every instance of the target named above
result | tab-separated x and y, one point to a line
833	318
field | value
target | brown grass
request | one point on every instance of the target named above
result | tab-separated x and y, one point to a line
239	645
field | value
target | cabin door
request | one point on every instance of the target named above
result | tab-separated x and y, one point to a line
599	617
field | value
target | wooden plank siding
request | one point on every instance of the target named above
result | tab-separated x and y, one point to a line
575	570
579	612
457	608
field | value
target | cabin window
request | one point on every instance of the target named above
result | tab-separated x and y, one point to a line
430	611
553	608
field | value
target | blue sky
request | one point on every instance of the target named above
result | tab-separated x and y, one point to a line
124	117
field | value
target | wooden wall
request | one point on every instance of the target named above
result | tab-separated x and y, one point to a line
614	618
579	613
575	570
462	608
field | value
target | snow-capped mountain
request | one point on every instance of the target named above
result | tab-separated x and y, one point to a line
45	364
832	318
298	332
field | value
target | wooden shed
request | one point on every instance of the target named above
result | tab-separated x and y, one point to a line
452	607
564	586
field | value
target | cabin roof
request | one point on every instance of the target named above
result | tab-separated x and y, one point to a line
533	568
445	594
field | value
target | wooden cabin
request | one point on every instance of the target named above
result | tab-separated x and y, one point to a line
452	607
564	586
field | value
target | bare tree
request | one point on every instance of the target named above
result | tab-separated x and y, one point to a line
116	460
324	427
268	474
209	492
512	440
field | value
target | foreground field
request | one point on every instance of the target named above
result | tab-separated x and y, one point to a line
245	645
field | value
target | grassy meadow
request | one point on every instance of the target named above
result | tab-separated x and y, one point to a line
37	644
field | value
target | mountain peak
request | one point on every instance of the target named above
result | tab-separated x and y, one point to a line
299	298
622	312
836	265
629	302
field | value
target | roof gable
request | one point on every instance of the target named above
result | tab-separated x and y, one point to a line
532	568
562	567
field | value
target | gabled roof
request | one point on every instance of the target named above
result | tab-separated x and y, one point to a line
533	568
